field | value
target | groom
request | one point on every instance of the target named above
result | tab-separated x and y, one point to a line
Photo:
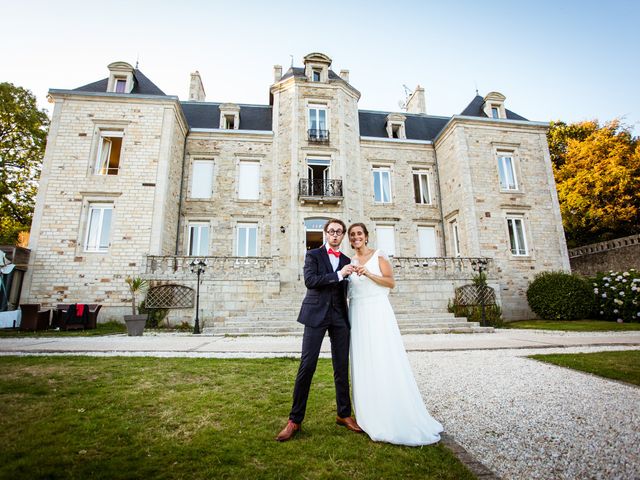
324	308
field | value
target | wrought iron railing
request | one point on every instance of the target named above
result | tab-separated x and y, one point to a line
317	135
320	188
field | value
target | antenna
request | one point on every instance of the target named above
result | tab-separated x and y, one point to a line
407	93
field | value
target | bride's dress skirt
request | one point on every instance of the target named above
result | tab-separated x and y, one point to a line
388	404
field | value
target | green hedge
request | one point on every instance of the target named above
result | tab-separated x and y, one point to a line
560	296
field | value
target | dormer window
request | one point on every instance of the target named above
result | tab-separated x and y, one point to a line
315	74
229	116
494	105
316	67
120	78
395	126
121	84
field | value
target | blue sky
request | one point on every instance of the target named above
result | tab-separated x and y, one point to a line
568	60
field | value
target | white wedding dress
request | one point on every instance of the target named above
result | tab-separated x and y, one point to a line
387	402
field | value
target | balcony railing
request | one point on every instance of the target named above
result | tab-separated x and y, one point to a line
320	190
318	136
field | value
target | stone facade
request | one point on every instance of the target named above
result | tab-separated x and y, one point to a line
618	255
310	154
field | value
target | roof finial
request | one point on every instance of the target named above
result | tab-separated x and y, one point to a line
476	84
137	57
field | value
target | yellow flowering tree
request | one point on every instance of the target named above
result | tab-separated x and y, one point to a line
597	173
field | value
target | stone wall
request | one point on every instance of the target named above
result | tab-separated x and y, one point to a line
617	255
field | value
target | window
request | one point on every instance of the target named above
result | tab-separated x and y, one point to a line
247	240
421	188
229	122
318	175
382	185
427	242
202	179
386	239
517	240
98	227
198	239
108	154
249	180
507	173
316	75
495	112
318	123
455	237
121	84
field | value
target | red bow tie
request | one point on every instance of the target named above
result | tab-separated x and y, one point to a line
333	252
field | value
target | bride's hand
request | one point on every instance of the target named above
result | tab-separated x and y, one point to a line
360	270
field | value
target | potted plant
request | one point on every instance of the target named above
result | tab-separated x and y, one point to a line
135	323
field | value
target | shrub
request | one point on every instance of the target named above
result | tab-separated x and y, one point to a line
617	295
155	315
492	313
560	296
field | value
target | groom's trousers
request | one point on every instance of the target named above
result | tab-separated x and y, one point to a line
311	343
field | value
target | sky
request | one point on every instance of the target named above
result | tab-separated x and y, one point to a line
553	60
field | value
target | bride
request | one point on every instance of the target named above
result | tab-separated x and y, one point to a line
388	404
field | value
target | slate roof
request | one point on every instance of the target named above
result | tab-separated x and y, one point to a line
474	109
417	127
299	72
141	85
207	115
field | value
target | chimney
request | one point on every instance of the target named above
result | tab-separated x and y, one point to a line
196	90
416	102
277	73
344	75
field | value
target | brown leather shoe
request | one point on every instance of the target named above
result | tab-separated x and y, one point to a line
288	431
350	423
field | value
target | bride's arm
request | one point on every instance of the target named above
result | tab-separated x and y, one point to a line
386	280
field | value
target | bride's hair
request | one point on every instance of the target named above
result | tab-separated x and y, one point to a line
364	229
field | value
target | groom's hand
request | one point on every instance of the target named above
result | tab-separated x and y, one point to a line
346	271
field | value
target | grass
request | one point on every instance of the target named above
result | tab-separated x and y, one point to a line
116	417
618	365
574	325
108	328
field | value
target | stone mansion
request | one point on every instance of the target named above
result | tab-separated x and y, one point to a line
137	182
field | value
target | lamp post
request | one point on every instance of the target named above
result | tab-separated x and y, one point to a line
198	266
480	265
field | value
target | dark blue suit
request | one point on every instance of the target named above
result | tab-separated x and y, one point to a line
324	308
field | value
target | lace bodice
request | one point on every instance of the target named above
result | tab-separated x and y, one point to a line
361	286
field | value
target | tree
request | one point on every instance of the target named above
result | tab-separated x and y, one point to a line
23	135
597	173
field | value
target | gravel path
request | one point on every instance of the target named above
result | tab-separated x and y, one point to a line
525	419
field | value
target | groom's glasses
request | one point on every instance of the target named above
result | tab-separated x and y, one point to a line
335	233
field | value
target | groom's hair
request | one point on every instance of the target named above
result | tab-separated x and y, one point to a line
335	220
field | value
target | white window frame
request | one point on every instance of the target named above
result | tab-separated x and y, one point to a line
503	171
100	163
251	194
380	170
455	237
242	248
120	81
95	235
419	174
386	228
432	228
518	247
495	111
202	249
317	108
197	177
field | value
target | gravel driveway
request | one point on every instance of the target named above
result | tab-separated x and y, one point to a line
525	419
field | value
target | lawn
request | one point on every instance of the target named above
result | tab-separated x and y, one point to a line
117	417
573	325
618	365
